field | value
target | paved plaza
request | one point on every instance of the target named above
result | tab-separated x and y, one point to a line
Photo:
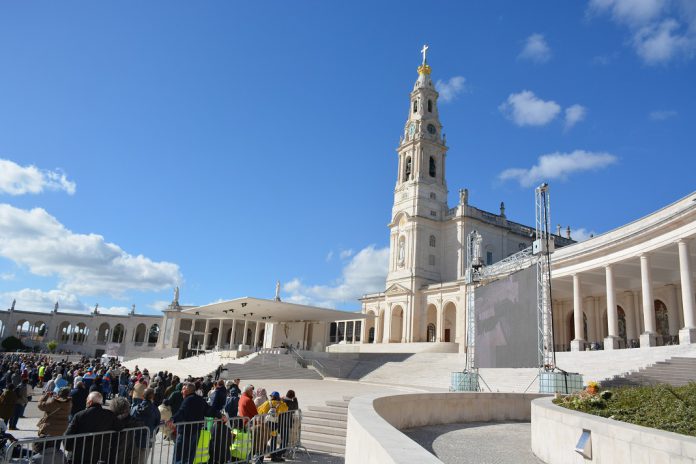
477	442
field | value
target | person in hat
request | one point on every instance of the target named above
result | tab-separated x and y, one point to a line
274	409
56	409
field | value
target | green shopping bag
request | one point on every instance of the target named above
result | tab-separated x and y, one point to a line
241	446
202	454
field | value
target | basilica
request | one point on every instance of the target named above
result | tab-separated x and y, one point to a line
629	287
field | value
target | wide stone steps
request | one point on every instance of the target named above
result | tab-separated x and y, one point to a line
676	371
324	427
269	366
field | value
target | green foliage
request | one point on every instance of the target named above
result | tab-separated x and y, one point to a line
661	406
12	343
52	345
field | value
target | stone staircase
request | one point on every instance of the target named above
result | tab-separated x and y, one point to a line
269	366
675	371
324	427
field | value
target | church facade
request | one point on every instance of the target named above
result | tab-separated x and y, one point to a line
424	299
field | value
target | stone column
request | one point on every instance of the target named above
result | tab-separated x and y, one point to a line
234	327
590	312
636	309
688	333
378	329
578	343
612	340
386	337
647	338
206	334
672	312
218	343
630	318
193	329
256	335
244	334
439	333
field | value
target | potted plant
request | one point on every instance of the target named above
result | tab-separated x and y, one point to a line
592	387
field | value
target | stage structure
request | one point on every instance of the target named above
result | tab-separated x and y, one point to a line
501	306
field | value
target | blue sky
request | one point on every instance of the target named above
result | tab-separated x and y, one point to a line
226	145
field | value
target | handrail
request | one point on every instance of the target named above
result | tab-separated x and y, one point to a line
319	367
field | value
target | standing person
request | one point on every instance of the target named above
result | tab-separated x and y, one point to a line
8	399
274	409
149	415
219	396
20	404
138	390
56	409
175	399
127	444
247	408
94	419
79	399
193	409
42	371
260	397
235	387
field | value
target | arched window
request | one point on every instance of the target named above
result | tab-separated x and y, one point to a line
402	250
415	106
432	241
153	334
407	169
432	167
430	106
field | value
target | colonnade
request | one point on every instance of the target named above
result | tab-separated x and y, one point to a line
639	303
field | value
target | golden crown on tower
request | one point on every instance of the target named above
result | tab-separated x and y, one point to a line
424	69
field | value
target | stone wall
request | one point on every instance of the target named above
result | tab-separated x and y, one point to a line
374	421
556	430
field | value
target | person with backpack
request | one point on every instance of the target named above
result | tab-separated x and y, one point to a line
273	409
149	415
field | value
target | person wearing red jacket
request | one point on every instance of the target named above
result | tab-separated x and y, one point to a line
247	408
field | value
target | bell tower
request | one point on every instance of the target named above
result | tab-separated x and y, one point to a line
420	194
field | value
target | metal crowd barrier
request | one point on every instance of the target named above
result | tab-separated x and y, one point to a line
128	446
211	441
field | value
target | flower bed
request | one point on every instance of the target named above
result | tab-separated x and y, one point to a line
661	406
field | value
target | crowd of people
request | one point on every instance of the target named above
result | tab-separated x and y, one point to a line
91	396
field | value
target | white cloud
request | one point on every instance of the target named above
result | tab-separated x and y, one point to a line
449	90
558	166
346	254
535	49
366	272
574	114
20	180
581	234
159	305
526	109
83	263
31	299
7	276
329	256
661	115
630	11
661	30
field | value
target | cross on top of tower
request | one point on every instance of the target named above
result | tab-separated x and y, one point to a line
424	52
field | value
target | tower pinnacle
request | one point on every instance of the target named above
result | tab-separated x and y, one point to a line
424	68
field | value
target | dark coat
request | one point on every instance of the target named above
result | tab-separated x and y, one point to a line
218	399
128	442
79	400
91	420
148	414
8	399
194	408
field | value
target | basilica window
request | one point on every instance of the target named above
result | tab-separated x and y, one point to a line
432	241
430	106
433	196
407	169
489	258
431	260
415	106
402	250
432	167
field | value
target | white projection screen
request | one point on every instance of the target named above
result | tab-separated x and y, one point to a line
506	321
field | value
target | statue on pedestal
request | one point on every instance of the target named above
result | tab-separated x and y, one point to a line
277	292
13	305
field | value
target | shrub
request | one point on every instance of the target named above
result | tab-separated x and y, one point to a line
660	406
12	343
